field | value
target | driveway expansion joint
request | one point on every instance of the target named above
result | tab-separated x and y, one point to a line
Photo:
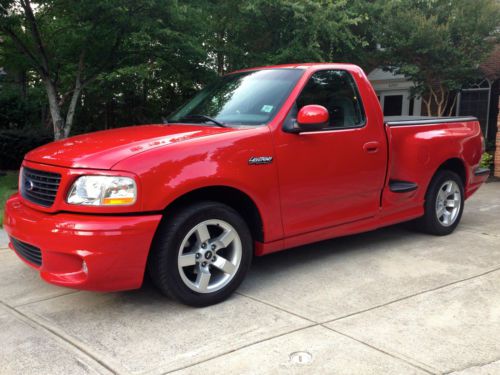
278	308
411	362
56	336
232	351
496	269
29	302
475	365
408	360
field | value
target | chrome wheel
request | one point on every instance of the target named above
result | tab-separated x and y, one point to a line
448	203
209	256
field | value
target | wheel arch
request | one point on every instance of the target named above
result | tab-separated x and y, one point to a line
453	164
456	165
234	198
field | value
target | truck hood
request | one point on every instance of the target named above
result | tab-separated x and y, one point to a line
103	149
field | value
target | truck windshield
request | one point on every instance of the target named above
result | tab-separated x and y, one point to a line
247	98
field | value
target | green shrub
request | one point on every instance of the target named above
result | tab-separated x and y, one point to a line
15	143
8	186
486	160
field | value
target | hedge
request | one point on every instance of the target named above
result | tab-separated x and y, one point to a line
15	143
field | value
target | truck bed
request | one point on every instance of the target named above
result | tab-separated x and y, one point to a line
424	120
418	146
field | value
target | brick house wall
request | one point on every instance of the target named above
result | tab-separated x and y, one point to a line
491	70
491	66
497	152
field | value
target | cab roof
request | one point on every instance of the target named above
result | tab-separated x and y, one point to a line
304	66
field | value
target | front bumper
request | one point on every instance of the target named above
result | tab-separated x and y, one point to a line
91	252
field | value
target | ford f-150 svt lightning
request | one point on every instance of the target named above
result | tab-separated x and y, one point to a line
262	160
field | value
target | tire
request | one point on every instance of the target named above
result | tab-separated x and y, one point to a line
201	254
440	217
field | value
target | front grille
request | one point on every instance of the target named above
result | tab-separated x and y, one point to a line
40	187
28	252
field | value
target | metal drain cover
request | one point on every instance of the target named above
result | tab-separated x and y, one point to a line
301	358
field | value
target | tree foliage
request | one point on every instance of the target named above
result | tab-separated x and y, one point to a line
248	33
438	44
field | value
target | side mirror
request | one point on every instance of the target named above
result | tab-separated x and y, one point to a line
312	118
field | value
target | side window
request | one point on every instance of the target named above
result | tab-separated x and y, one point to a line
336	91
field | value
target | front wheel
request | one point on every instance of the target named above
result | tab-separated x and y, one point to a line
202	254
444	204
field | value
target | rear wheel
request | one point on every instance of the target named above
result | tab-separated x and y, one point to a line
202	254
444	204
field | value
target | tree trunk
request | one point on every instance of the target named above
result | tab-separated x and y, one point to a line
453	104
427	103
71	112
220	63
439	96
55	110
72	107
220	53
444	95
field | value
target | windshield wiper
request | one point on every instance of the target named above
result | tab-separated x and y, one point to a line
203	118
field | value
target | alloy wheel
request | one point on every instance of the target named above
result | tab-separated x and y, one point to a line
209	256
448	203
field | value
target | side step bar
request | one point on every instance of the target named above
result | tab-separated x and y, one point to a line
397	186
482	171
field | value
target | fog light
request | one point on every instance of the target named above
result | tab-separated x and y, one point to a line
85	268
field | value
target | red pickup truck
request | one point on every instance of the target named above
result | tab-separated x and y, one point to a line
262	160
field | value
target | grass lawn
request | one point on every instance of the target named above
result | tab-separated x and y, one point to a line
8	185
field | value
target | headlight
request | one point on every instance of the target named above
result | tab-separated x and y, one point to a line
103	191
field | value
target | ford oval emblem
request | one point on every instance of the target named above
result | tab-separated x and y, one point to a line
29	185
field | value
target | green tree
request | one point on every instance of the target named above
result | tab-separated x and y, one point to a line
438	44
162	63
258	32
68	44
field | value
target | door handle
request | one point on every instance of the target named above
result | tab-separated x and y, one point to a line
371	147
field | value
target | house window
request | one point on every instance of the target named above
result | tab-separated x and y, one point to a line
399	103
393	105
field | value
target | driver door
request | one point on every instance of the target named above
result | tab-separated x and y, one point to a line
330	177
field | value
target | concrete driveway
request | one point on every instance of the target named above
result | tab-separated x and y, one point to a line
389	301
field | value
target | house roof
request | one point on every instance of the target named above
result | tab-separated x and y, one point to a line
379	74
